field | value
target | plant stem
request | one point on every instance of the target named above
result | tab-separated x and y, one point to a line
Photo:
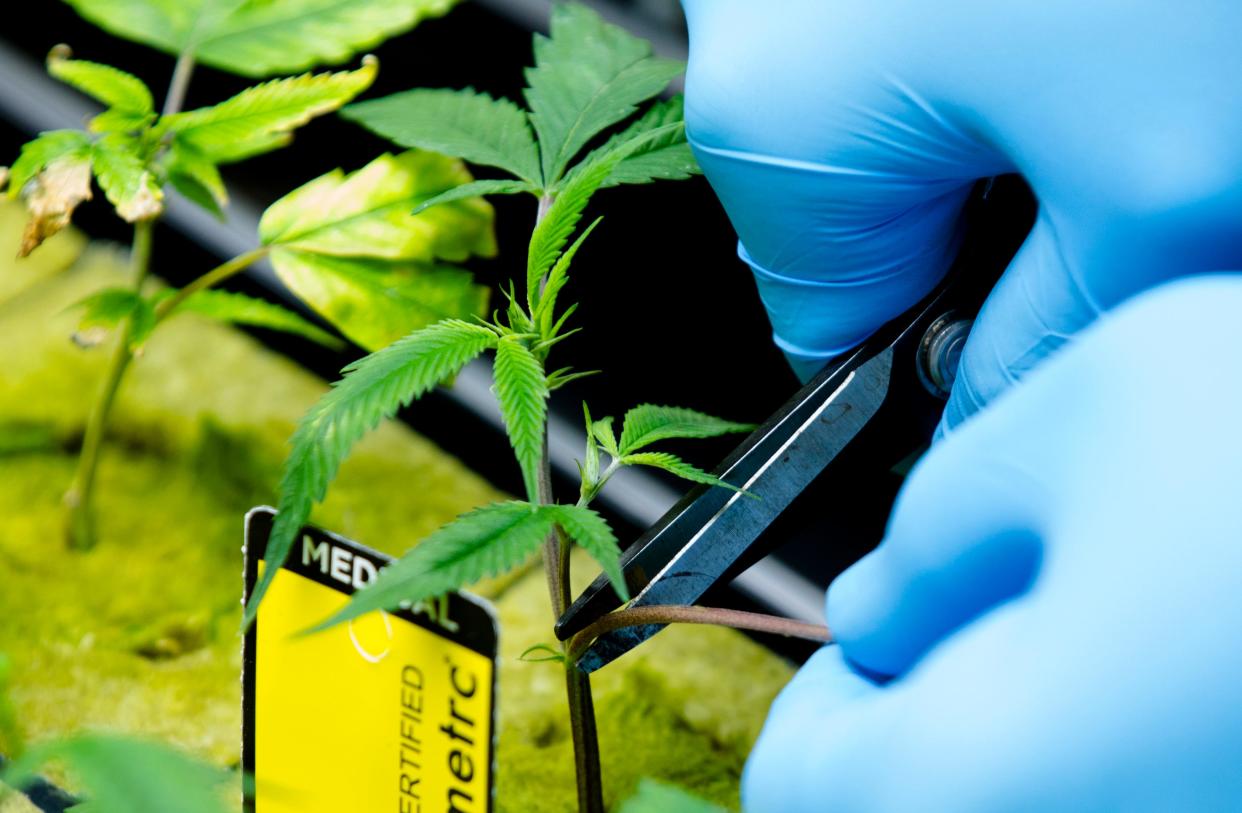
212	278
676	614
79	499
179	83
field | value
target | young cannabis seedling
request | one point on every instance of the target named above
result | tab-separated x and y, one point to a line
588	78
347	246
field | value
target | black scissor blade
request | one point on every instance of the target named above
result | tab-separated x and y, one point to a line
685	555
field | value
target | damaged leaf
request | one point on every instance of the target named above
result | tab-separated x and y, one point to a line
51	197
125	178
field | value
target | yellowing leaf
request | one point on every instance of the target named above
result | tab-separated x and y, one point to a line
261	37
367	213
375	303
260	118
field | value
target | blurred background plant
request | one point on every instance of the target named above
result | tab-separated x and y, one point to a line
347	246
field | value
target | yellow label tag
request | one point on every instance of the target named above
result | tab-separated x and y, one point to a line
392	713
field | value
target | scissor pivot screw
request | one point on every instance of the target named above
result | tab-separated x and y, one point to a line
940	352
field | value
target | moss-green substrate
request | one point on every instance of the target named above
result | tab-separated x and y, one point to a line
140	634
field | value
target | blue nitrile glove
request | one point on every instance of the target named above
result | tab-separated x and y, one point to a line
843	138
1059	594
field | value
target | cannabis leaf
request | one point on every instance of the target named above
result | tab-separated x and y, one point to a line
591	533
557	279
239	309
123	92
675	465
373	389
123	775
196	176
350	247
485	542
602	430
126	180
655	797
476	189
588	75
647	423
462	123
367	213
53	176
552	233
590	465
522	391
106	309
260	37
667	157
261	118
374	303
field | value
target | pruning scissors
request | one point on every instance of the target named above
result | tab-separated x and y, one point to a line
862	414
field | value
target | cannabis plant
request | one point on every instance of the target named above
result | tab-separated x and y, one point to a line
582	131
347	245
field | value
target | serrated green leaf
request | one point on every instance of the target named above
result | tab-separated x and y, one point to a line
590	465
675	465
588	76
261	117
602	429
39	152
647	423
590	532
552	233
665	158
552	654
374	302
373	389
522	391
460	123
485	542
563	376
120	121
109	308
476	189
125	178
111	86
367	213
654	797
261	37
196	176
557	279
239	309
122	775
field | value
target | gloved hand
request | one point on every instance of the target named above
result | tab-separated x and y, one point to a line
843	138
1059	594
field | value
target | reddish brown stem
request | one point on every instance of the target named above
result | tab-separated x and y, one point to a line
716	616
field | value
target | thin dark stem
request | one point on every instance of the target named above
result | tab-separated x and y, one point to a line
179	83
79	499
586	739
556	567
716	616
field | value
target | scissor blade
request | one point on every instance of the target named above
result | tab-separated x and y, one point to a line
776	470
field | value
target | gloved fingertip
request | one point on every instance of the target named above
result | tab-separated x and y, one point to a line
784	768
